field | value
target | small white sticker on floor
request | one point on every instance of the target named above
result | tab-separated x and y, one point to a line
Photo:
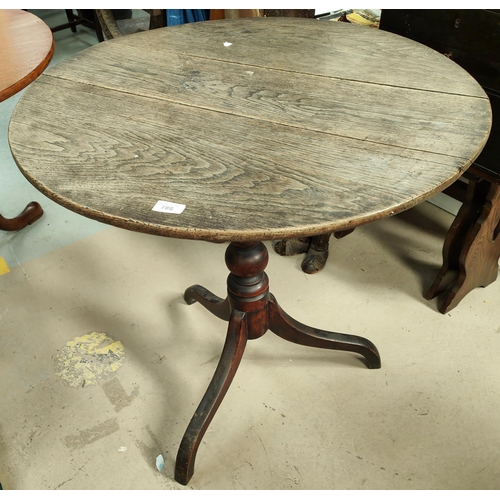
168	207
160	462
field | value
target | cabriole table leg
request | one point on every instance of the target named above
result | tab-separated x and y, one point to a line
251	311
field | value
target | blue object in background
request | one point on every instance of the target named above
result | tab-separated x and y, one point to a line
182	16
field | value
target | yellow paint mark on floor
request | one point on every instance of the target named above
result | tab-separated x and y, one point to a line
88	359
4	268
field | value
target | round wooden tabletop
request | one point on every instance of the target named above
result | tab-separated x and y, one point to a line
263	128
26	48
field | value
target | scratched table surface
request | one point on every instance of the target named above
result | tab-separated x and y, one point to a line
262	128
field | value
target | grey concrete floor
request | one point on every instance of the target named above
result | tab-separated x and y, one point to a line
295	418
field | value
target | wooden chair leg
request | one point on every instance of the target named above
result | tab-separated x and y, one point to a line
97	27
472	247
30	214
71	18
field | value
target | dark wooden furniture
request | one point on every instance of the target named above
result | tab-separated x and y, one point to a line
471	249
115	28
308	13
80	18
26	48
254	148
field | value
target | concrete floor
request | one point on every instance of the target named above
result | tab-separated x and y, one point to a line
295	418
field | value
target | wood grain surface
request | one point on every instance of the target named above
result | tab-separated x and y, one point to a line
298	127
26	48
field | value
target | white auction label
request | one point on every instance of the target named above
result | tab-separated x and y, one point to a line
168	207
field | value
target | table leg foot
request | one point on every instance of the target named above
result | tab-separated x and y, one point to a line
317	255
228	364
289	329
217	306
30	214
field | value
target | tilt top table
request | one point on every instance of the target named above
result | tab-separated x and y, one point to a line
248	130
26	48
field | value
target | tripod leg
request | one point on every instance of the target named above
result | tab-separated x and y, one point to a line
226	369
287	328
217	306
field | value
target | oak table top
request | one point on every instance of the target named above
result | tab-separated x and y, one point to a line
26	48
264	128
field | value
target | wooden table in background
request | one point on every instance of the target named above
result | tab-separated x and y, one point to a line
263	128
26	48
